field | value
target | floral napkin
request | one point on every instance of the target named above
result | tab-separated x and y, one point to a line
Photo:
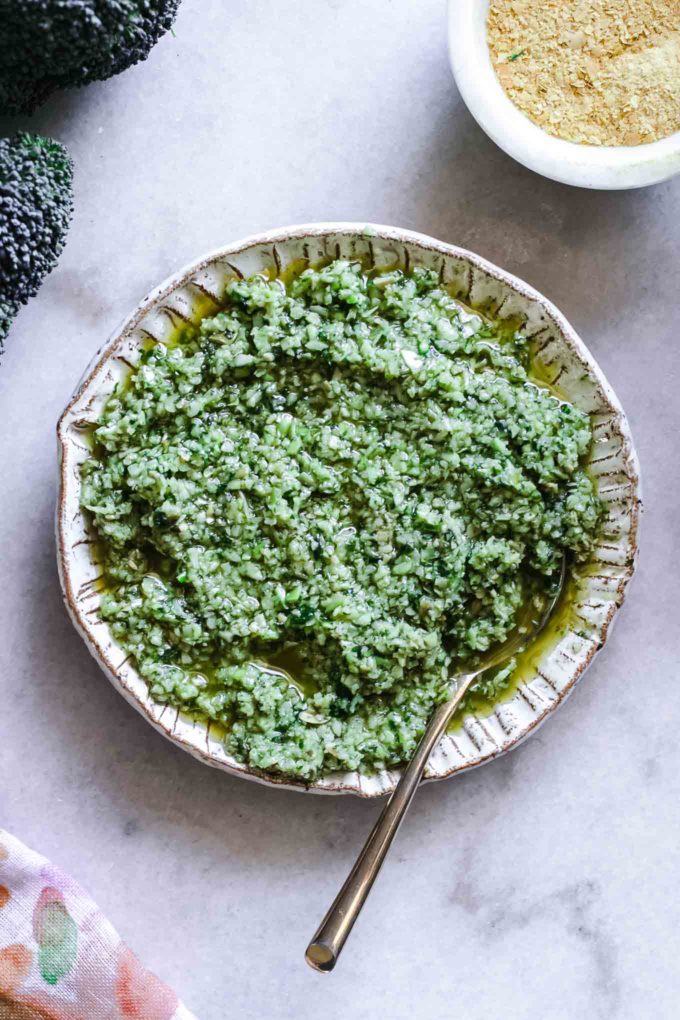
60	959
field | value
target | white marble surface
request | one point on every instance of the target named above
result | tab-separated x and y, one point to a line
544	885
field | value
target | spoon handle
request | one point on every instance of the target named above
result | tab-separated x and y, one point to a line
325	948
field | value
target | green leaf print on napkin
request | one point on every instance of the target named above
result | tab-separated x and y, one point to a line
56	934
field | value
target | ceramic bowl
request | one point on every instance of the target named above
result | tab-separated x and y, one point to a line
563	357
607	167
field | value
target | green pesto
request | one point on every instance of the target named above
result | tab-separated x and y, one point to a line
324	499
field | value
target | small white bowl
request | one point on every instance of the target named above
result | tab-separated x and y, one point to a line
559	353
609	167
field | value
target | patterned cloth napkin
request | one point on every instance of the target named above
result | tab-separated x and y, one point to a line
60	959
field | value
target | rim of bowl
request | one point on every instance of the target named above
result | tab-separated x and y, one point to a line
385	781
605	167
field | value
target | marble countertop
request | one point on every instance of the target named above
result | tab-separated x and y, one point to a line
543	885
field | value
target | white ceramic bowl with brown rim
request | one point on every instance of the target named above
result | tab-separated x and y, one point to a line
563	358
608	167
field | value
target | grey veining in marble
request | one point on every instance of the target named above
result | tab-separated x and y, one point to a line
545	884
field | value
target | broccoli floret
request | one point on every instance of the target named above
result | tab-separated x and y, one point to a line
36	204
52	44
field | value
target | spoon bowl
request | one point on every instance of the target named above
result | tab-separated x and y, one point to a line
558	354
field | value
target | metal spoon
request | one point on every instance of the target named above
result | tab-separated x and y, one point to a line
325	948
